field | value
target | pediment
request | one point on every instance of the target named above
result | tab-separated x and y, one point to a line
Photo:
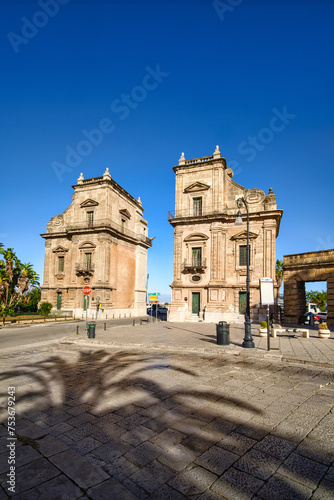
87	245
60	249
89	203
196	237
125	212
243	236
195	187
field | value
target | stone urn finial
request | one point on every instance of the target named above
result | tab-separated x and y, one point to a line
139	200
80	179
182	159
106	174
217	154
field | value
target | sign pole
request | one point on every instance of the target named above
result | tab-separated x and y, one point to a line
268	329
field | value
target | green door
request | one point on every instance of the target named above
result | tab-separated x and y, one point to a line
59	294
195	303
242	302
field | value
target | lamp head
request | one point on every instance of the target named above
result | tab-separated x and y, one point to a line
238	220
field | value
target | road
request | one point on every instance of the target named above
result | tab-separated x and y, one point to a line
13	336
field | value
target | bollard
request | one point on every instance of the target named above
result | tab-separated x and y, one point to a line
141	322
77	329
65	317
105	326
133	322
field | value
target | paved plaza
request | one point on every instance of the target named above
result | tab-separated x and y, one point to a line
160	411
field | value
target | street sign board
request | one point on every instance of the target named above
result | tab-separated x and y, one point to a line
86	290
267	291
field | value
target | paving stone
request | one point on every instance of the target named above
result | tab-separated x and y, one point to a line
80	419
303	470
112	450
60	428
168	438
110	489
81	432
330	474
152	477
178	457
166	493
58	488
127	410
138	435
237	485
143	454
78	409
281	487
216	460
193	481
254	431
121	468
198	444
28	429
132	421
318	450
33	474
237	443
325	491
276	446
136	490
78	469
156	424
86	445
258	464
48	446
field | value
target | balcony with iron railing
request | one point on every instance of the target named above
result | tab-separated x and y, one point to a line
84	269
197	212
194	265
105	224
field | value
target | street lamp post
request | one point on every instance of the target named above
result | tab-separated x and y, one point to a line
248	340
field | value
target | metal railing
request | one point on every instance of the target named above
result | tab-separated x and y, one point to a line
194	264
108	224
85	267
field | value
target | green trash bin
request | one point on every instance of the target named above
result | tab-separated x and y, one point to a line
91	330
223	333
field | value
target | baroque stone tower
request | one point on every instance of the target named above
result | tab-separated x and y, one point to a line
209	250
100	240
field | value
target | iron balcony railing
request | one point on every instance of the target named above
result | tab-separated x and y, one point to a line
108	224
194	264
196	212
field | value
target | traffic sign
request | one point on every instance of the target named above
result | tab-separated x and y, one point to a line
86	290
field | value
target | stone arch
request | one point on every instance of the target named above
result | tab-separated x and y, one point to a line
301	268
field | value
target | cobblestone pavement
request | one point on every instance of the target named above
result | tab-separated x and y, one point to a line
106	422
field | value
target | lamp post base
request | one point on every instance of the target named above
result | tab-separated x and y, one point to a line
248	344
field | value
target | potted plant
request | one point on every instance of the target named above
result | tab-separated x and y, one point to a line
263	329
323	331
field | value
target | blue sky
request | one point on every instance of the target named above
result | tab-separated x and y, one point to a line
159	78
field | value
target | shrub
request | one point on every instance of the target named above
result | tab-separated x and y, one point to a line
323	326
45	308
264	324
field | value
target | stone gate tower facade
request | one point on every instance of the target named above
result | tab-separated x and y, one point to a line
209	250
100	240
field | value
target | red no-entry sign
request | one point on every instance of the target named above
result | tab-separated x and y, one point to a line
86	290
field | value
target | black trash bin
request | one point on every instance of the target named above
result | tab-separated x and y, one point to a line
223	333
91	330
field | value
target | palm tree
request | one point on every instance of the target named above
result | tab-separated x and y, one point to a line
279	273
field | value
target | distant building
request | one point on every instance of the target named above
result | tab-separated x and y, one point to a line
210	251
100	240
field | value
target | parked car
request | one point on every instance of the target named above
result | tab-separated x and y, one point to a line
310	318
159	312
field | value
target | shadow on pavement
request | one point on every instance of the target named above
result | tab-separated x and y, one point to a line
163	430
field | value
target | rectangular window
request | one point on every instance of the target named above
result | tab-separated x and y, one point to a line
196	257
90	218
60	264
243	255
197	206
88	261
123	225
